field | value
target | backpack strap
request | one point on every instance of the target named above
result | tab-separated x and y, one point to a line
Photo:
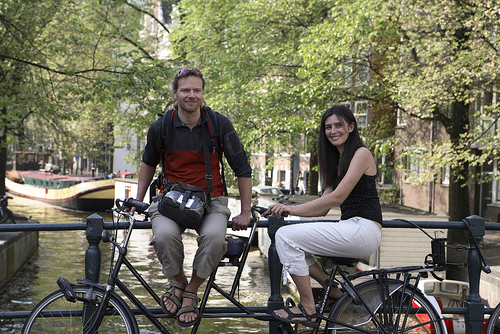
205	130
215	134
166	129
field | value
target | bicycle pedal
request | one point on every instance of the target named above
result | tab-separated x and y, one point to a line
67	289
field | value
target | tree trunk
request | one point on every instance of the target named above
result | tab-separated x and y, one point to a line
292	177
3	160
312	184
458	193
458	209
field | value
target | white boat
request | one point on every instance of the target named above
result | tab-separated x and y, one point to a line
71	192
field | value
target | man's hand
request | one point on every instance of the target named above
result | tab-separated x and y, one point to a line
241	221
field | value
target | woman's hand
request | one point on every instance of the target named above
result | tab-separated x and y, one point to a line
277	210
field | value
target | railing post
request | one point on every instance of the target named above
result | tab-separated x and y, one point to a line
93	253
275	301
474	315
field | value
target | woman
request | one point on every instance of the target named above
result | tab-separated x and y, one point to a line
348	171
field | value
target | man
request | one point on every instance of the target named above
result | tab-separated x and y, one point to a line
186	163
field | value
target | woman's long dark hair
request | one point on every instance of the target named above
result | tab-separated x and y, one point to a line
330	163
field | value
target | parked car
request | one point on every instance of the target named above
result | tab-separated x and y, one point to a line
126	175
267	191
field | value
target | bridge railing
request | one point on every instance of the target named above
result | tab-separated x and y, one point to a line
473	309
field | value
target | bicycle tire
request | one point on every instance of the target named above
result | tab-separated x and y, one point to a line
5	216
493	325
55	314
425	319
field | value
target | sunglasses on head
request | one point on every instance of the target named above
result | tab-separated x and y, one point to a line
189	71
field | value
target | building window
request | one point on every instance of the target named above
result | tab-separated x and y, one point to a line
413	163
401	118
360	111
445	175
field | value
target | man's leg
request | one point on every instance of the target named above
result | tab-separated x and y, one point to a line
193	286
169	249
211	249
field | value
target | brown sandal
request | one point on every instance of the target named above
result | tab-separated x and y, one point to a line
188	309
170	295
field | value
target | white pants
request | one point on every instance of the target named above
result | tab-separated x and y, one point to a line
297	243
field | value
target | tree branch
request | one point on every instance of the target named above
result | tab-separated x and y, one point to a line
148	14
58	71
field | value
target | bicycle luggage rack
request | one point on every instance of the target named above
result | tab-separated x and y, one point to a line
474	310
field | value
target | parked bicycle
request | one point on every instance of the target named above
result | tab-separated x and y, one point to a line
6	216
92	307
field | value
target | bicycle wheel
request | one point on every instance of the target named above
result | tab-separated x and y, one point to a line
405	310
6	216
55	314
493	326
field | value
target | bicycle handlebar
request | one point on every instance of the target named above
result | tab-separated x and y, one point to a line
262	209
131	203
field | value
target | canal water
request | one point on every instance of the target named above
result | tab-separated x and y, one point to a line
61	254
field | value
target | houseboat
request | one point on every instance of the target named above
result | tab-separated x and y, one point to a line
71	192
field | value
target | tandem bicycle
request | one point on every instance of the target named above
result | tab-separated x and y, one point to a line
387	301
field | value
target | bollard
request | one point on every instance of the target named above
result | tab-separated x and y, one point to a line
93	253
474	315
93	232
275	301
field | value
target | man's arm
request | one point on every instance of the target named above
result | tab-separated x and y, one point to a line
146	173
241	221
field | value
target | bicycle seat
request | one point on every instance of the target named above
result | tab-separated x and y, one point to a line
343	261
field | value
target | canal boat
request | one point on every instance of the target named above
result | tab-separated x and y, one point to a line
71	192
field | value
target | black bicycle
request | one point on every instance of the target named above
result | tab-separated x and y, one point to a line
6	216
91	307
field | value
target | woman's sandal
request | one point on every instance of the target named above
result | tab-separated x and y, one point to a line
291	315
170	295
193	308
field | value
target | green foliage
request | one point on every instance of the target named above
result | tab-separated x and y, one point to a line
75	67
389	194
68	69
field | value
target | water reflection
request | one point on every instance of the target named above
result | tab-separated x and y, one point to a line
61	254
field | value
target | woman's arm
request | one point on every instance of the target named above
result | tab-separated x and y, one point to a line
361	163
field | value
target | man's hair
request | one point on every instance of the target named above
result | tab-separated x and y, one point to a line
185	72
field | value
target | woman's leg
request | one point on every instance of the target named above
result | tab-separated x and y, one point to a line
303	284
320	276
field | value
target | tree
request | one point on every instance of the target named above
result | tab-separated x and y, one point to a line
274	67
61	60
448	56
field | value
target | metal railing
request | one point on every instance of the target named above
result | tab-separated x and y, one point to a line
473	310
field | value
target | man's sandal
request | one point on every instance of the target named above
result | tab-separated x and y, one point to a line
170	295
291	315
193	308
